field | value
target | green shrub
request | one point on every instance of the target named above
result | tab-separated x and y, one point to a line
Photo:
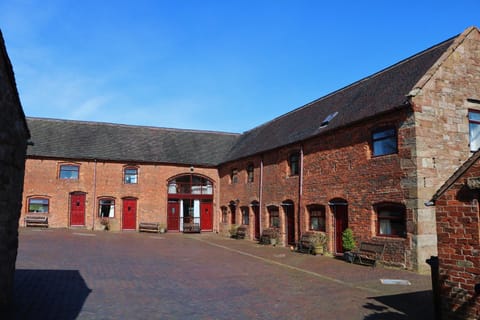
348	240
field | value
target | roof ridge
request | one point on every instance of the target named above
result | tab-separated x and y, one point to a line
101	123
353	84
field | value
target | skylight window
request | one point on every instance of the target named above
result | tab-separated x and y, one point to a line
329	118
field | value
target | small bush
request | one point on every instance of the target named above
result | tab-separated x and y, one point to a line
348	240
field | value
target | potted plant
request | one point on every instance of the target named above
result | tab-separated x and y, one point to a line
274	237
161	228
233	230
319	243
348	242
105	222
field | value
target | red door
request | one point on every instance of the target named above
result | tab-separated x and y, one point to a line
173	216
77	209
341	223
129	214
256	215
290	213
206	216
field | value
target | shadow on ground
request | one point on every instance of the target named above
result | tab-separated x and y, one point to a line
415	305
48	294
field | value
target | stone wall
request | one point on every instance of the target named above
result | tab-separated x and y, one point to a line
13	145
442	130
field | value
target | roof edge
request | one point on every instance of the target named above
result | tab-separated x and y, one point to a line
459	39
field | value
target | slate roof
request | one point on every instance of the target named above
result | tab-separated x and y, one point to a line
104	141
381	92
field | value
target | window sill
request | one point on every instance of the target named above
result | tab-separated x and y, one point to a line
393	238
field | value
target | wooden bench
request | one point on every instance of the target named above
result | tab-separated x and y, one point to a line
191	228
240	233
267	235
306	243
369	253
36	221
149	227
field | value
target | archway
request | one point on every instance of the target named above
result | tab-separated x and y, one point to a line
190	203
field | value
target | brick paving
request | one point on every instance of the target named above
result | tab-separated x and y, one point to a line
79	274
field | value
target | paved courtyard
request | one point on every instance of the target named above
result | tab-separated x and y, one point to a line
79	274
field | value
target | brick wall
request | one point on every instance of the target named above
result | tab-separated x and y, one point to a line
458	228
337	165
105	179
13	145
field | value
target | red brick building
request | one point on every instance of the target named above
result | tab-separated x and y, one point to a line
458	228
367	156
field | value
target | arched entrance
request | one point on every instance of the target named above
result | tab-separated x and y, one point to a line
190	203
339	208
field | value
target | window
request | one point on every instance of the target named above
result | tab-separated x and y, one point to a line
38	205
274	216
391	221
474	126
224	215
106	208
317	218
130	175
250	173
384	141
293	162
68	171
234	176
245	217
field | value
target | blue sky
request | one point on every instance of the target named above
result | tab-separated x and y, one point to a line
210	65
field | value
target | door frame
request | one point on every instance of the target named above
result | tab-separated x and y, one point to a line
123	212
339	209
289	210
84	199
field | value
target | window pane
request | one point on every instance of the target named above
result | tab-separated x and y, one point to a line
68	172
383	134
38	205
391	221
294	159
385	146
474	116
107	208
130	175
474	136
